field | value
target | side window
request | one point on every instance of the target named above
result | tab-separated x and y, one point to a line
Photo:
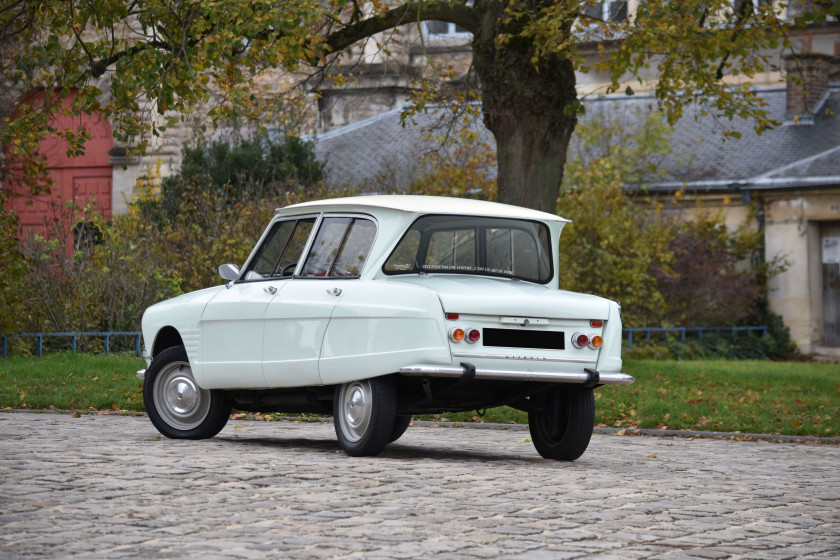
341	247
354	253
281	250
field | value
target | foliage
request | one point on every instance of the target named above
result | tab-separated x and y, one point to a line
13	286
705	270
217	206
615	245
666	268
146	64
247	167
101	287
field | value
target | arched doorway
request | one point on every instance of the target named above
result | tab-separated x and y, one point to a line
79	186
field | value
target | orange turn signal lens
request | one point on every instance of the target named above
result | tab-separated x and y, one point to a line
596	341
456	334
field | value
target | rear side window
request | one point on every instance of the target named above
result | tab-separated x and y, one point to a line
341	247
474	245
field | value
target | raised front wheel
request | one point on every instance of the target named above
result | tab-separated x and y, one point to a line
364	414
176	405
562	426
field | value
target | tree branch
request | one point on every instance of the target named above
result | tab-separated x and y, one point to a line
411	12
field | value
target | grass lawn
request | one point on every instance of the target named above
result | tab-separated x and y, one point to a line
796	398
77	382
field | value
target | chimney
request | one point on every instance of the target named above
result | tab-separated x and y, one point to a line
808	77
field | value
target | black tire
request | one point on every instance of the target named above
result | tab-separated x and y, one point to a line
563	428
400	426
364	415
176	405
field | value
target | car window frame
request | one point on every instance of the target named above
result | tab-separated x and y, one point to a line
264	239
317	227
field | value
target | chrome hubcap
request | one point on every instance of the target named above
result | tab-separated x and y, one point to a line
356	409
180	402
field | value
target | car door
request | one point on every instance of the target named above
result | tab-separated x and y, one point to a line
233	322
297	318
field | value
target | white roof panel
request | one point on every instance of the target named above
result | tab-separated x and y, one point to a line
417	204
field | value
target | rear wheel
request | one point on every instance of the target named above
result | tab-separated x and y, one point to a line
561	429
176	405
400	426
364	414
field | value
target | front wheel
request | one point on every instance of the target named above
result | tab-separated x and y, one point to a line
364	414
562	426
176	405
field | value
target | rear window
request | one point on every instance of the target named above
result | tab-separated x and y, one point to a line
474	245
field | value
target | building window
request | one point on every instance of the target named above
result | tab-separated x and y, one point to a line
753	5
609	10
435	30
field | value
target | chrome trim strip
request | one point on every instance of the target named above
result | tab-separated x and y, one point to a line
528	358
141	373
433	370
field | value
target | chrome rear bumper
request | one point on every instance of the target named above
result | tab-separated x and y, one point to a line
433	370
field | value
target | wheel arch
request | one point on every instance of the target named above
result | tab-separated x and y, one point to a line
167	337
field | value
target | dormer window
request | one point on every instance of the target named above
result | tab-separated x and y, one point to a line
435	30
608	10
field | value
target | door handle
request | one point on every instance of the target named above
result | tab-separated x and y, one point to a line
334	291
270	290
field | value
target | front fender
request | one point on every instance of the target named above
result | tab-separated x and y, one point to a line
181	314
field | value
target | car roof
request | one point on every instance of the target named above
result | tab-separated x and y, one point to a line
418	204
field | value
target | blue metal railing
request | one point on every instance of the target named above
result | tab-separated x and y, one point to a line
74	336
683	330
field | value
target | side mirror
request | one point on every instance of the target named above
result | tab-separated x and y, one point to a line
229	272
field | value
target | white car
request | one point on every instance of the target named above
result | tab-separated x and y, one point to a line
377	308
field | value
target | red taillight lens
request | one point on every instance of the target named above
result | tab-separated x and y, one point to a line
596	341
452	316
456	334
579	340
473	335
595	324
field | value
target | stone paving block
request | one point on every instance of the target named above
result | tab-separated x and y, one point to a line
111	487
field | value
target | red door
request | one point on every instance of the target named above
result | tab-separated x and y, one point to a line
79	185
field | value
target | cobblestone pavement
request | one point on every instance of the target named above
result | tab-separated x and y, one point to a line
111	487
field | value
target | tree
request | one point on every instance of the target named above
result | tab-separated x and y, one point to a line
217	55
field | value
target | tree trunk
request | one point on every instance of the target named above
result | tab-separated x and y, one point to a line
529	107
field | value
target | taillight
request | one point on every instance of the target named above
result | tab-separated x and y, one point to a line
596	324
452	316
456	334
579	340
